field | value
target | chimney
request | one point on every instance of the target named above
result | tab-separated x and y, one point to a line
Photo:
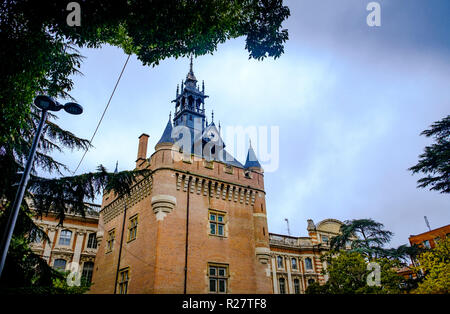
142	148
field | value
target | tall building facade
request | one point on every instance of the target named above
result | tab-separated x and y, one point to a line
73	242
196	224
296	261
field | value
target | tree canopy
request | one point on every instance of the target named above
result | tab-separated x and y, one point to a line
347	274
435	161
435	265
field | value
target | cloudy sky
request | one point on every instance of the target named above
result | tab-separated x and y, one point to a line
349	100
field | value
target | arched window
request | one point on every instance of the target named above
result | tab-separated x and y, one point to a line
59	264
88	268
294	263
64	238
282	285
280	261
308	263
296	286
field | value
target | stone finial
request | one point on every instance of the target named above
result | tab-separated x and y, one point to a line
311	226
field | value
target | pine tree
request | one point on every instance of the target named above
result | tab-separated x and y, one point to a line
435	161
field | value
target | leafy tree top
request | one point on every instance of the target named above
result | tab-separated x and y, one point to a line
435	161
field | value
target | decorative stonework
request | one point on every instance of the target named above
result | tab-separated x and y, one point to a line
263	254
138	192
215	189
163	205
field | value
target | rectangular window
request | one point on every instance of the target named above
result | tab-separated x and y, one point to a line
280	262
216	223
124	277
325	239
88	268
426	243
132	228
92	241
110	240
218	278
297	286
294	263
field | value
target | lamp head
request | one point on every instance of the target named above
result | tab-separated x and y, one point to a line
73	108
49	104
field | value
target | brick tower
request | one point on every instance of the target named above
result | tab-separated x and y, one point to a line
197	224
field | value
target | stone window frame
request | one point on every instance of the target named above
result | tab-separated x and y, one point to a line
297	268
285	284
278	262
84	271
110	240
65	238
121	283
217	277
299	285
132	227
59	259
222	223
312	263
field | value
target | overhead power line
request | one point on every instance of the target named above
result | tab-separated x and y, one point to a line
104	111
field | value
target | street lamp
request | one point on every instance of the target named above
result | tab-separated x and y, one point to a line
45	103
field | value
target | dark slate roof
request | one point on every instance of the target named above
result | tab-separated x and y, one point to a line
233	162
167	135
251	161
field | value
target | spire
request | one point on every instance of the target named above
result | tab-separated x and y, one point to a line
203	86
117	165
167	134
191	80
252	161
178	92
212	116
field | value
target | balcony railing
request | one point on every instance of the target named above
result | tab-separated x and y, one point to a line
278	239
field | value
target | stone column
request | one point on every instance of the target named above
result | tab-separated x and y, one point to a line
288	268
78	248
274	276
48	245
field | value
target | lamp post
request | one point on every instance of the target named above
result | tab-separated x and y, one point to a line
45	103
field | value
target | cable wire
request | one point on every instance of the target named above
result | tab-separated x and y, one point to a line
104	111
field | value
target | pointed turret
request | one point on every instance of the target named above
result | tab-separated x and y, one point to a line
252	161
166	137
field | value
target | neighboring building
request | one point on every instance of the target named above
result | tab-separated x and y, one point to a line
195	225
295	261
426	240
430	238
75	241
